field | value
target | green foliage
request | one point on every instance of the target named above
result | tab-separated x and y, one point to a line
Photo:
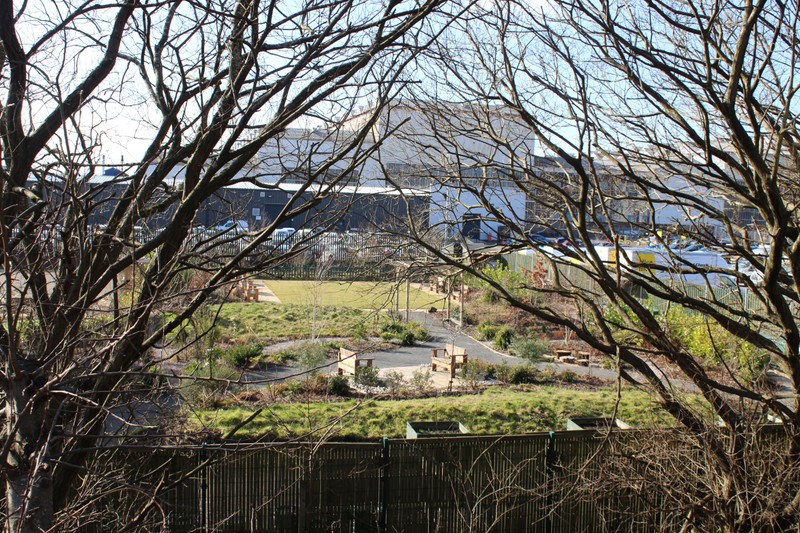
308	354
513	283
312	355
360	331
487	331
338	386
501	372
503	337
207	383
473	371
624	324
241	356
523	374
531	348
394	381
421	380
709	342
498	410
367	376
568	376
407	333
418	330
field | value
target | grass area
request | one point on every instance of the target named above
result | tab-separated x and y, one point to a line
264	322
362	295
498	410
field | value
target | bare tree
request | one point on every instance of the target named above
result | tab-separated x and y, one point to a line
203	95
674	123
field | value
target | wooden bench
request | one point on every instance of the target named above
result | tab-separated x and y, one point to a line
349	361
451	358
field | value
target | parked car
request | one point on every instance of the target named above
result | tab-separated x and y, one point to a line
238	226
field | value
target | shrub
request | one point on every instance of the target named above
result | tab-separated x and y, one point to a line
312	355
531	348
367	376
394	381
318	384
407	334
503	337
473	371
523	374
241	356
710	342
500	372
420	333
421	380
513	282
209	385
295	387
360	331
338	386
487	331
568	376
392	328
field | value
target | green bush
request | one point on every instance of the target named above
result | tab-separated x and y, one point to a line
242	356
523	374
513	283
392	328
207	383
712	344
338	386
500	372
473	371
407	338
487	331
531	348
408	334
394	381
568	376
367	376
360	331
420	333
503	337
312	355
421	380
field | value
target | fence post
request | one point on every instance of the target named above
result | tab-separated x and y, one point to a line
384	478
550	481
203	490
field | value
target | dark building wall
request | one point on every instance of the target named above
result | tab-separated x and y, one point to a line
260	207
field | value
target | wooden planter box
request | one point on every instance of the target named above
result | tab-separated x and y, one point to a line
417	430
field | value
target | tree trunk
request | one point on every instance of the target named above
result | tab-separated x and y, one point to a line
29	483
29	500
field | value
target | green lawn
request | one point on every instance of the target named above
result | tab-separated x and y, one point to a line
497	411
362	295
266	322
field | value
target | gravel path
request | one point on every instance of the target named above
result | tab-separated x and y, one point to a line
409	359
406	359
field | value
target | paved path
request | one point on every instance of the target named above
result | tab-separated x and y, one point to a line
407	359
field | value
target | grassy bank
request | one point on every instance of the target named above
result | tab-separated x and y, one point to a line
498	410
265	322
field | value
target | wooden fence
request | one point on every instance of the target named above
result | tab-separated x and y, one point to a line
453	484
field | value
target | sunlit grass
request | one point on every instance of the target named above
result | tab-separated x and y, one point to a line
497	411
265	322
361	295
